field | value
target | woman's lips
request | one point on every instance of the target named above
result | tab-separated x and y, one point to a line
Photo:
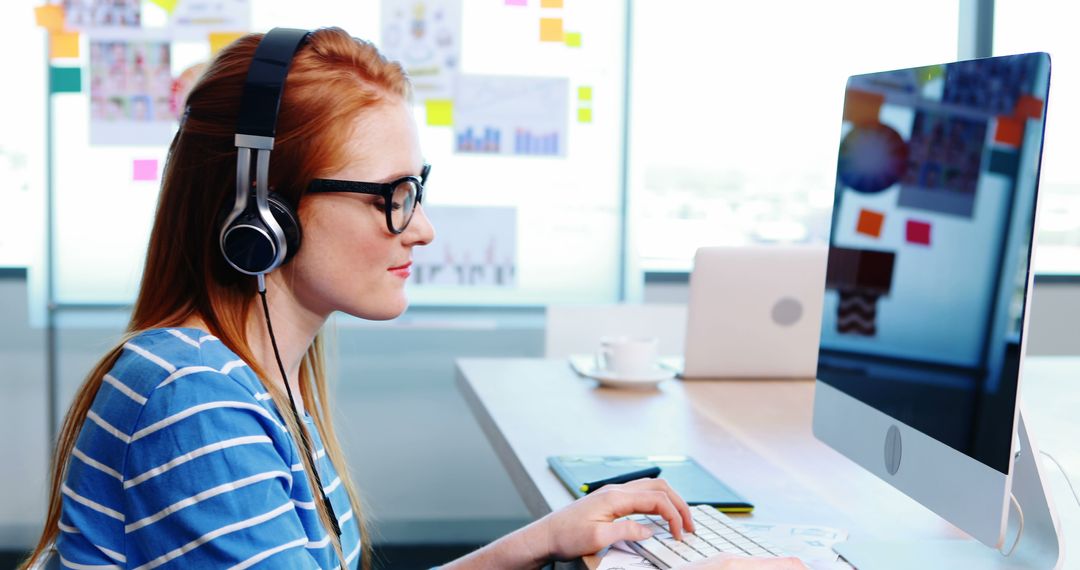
401	270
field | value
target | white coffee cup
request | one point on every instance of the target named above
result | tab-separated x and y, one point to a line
628	356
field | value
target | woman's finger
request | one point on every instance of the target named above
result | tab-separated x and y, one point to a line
627	502
678	501
624	529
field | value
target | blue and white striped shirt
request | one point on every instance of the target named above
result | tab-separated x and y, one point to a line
184	462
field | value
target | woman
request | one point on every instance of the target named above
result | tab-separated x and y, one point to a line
174	450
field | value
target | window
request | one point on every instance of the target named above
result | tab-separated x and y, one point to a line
1043	25
736	111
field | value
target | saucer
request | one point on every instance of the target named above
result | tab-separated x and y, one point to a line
614	380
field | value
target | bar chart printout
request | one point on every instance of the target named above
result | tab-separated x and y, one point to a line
508	115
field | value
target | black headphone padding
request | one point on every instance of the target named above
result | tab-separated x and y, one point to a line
247	242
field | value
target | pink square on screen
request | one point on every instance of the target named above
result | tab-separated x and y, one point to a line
145	170
516	2
918	232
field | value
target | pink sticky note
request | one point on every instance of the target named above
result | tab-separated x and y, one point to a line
145	170
918	232
516	2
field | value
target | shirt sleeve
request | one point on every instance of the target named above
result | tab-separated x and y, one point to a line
208	479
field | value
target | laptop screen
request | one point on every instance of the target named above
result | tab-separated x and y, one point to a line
930	246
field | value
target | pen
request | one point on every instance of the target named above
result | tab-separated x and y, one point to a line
651	473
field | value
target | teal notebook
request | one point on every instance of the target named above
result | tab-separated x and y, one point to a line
689	479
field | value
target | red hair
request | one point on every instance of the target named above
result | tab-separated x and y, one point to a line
333	79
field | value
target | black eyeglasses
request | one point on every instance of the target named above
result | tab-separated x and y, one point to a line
400	197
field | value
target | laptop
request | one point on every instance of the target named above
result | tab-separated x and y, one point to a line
754	312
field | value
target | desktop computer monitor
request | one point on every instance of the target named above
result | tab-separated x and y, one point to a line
927	286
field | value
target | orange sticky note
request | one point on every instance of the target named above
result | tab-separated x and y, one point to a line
551	30
50	16
870	223
862	107
219	40
63	44
551	3
1010	130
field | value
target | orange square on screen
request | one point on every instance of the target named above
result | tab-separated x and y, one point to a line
862	107
1028	107
1010	130
870	223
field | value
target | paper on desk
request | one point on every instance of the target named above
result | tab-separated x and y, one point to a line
811	544
621	557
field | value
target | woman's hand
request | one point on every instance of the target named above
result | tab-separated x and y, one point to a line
589	524
735	562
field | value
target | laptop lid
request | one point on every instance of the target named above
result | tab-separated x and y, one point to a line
754	311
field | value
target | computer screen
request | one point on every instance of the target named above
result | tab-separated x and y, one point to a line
930	250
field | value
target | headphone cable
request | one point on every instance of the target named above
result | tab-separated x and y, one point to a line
304	442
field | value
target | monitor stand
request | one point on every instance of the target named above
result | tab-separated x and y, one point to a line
1040	545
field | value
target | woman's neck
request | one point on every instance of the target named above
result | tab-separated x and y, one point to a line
294	328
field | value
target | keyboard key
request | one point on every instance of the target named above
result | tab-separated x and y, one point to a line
661	552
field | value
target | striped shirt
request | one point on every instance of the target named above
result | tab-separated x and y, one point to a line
184	462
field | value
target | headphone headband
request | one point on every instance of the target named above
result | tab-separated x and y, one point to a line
264	86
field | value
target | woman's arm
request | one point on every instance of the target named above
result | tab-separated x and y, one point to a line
584	527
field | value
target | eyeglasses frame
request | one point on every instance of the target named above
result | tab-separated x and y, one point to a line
382	189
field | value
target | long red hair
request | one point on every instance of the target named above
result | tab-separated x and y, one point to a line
333	79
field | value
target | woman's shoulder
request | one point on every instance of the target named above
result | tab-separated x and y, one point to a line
157	358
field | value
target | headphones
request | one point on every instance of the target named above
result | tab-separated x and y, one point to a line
262	232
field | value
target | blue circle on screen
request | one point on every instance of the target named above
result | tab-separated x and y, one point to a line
872	158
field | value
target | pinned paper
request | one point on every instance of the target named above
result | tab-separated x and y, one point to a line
167	5
870	223
584	93
1009	130
572	39
50	17
65	79
551	30
584	115
551	3
425	37
918	232
219	40
63	44
440	112
144	170
516	3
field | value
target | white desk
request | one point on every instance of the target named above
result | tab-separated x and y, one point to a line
753	434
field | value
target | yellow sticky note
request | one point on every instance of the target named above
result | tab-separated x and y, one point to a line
551	3
219	40
584	93
572	39
168	5
63	44
551	30
50	17
584	115
440	112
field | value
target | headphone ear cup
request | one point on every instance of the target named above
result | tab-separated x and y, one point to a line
286	217
248	245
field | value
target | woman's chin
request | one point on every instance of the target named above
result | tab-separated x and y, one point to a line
391	309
